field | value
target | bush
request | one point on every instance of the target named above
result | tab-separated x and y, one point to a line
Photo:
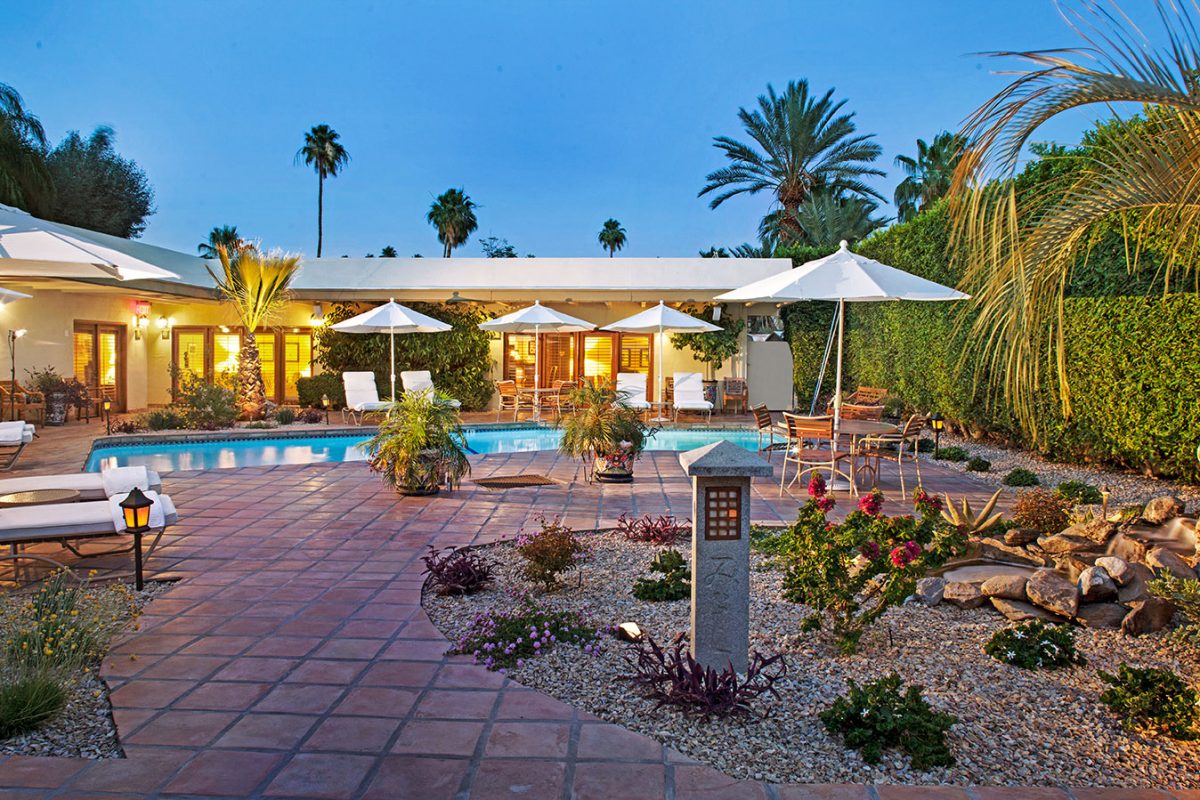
27	702
128	425
1035	645
505	639
675	583
1079	493
768	540
878	715
285	416
977	464
676	679
310	416
1157	700
1041	510
662	530
1019	476
550	552
310	390
1185	595
457	570
952	454
925	445
164	419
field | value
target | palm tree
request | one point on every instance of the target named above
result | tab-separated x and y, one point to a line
25	179
324	153
612	236
257	285
225	236
928	176
453	214
800	144
824	219
387	252
1019	248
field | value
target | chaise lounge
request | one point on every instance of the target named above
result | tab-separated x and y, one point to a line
90	485
362	396
421	381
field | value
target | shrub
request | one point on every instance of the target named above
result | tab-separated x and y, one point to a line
550	552
1154	699
925	445
205	406
1019	476
457	570
309	391
1035	645
310	416
878	715
1185	595
676	679
285	416
952	454
128	425
977	464
25	703
768	540
1041	510
675	583
164	419
662	530
500	639
1079	493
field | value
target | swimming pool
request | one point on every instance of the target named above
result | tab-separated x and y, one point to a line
168	456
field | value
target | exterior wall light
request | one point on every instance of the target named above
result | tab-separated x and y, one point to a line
141	318
318	315
165	324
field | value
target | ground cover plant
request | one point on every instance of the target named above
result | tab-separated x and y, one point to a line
881	714
1078	493
549	552
457	570
675	581
1019	476
1185	595
285	416
664	529
501	639
952	454
1035	645
1152	699
977	464
1041	510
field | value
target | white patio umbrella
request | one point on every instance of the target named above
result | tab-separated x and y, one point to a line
537	319
843	277
8	295
35	247
391	318
661	319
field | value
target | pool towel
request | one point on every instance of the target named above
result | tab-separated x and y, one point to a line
157	517
121	480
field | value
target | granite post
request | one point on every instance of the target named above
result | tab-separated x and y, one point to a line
721	474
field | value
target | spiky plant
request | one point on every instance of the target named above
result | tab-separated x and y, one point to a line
600	424
257	285
419	445
966	520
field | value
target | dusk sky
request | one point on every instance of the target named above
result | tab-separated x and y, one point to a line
553	116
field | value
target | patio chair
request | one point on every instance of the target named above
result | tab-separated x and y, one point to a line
893	446
689	394
509	397
766	427
736	393
631	390
856	411
560	399
70	522
14	438
90	485
362	396
21	401
812	447
421	381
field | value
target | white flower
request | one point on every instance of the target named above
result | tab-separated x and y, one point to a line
1010	655
866	712
1019	634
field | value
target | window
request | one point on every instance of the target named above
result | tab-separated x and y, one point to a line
297	361
558	358
518	358
635	353
98	360
212	354
597	356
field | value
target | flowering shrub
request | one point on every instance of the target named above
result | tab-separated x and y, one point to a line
878	715
854	571
1041	510
501	639
926	503
661	530
310	416
1035	645
675	583
549	552
457	570
1154	699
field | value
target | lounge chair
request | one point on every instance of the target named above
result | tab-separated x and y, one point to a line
70	522
90	485
689	394
14	437
362	396
631	390
421	381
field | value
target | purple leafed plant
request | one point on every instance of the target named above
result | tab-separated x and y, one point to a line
457	570
661	530
677	679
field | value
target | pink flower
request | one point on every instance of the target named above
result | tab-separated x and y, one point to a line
825	503
900	557
816	486
870	550
871	504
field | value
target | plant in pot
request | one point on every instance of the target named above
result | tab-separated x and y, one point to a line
420	445
603	432
59	393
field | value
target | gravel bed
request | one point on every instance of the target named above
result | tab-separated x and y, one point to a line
85	727
1126	486
1015	726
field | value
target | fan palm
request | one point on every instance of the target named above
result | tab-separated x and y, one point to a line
1019	249
224	236
612	236
325	154
25	179
928	176
453	214
801	144
824	219
257	285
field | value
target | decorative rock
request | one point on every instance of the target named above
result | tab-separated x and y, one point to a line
1098	531
1129	546
994	548
1071	566
1095	586
1147	616
1019	537
1053	592
929	591
1019	610
1101	615
1135	588
1162	558
1062	543
1161	509
1007	587
963	594
1117	568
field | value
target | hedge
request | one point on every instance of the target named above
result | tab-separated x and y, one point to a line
311	390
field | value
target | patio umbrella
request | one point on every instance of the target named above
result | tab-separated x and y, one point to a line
35	247
843	277
661	319
8	295
391	318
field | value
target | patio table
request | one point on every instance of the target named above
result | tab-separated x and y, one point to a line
536	394
855	429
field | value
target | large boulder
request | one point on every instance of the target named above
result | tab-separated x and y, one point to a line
1019	537
1135	587
997	549
1129	547
1098	531
1019	610
1117	568
1147	616
1161	509
1065	544
1101	615
930	590
1169	560
1053	592
1095	586
963	594
1008	587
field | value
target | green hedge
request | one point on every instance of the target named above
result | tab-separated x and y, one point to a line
311	390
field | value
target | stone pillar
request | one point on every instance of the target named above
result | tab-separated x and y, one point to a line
721	474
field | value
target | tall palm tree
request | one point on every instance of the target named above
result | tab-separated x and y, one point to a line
928	176
25	179
1019	249
453	214
387	252
325	154
612	236
257	285
800	143
824	219
223	236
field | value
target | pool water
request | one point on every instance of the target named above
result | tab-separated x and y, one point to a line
171	456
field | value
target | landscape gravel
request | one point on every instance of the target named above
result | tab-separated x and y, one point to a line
1015	727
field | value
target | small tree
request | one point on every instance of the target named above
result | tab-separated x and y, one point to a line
713	348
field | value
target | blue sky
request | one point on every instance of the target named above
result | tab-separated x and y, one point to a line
554	116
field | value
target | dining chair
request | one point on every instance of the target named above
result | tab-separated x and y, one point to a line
900	446
812	446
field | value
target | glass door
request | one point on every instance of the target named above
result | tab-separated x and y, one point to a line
597	354
99	360
297	362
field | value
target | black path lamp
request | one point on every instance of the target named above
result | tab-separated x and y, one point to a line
938	423
13	335
136	508
326	403
107	404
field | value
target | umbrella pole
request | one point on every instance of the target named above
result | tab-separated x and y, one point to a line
392	332
837	391
662	397
537	378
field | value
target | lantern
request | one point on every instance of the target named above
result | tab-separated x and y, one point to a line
326	403
938	423
136	508
107	406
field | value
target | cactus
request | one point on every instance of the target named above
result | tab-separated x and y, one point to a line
968	521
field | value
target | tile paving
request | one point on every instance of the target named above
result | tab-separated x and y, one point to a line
293	659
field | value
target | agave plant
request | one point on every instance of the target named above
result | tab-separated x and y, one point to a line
966	520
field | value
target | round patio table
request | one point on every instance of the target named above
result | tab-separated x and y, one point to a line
537	398
858	428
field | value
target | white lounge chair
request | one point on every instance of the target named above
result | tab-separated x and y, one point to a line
689	394
14	437
90	485
631	390
420	380
362	396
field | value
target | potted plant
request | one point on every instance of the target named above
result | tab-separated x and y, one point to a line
603	432
420	445
59	393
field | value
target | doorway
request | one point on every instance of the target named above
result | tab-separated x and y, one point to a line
99	360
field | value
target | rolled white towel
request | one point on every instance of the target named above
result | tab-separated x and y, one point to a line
157	516
121	480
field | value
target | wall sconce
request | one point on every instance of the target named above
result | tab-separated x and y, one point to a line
141	318
318	315
165	324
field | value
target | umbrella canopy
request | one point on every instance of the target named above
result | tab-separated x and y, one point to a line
391	318
8	295
537	319
661	319
34	247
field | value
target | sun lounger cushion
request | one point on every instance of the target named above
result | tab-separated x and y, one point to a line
420	380
689	392
74	520
361	392
90	485
11	437
631	389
